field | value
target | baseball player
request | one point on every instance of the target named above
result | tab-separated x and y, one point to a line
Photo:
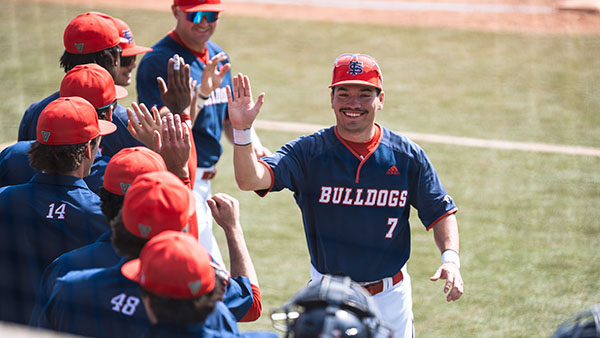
89	81
89	38
181	289
82	301
196	21
354	183
55	212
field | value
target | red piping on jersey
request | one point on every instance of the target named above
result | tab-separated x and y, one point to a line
453	211
363	160
256	308
263	194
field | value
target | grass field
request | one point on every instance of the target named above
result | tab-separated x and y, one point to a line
529	222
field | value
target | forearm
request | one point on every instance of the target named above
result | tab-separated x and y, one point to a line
445	233
239	257
249	173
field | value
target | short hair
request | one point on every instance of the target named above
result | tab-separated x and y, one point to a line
185	311
57	158
110	203
124	242
104	58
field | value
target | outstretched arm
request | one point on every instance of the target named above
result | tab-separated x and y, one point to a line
249	173
446	237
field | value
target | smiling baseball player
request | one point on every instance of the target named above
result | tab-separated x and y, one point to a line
355	183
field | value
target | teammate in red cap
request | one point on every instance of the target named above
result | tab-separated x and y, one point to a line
82	301
354	183
181	289
55	212
196	21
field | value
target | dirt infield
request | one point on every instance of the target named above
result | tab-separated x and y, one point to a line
490	15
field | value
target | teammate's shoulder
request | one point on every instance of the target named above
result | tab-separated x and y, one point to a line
213	47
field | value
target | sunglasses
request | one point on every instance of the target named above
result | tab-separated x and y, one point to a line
127	60
196	17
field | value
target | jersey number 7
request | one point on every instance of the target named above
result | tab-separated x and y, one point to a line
392	222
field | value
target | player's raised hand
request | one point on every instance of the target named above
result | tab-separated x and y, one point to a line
225	210
143	124
178	95
173	143
212	75
242	109
454	286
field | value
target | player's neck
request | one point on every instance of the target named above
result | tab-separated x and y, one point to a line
361	136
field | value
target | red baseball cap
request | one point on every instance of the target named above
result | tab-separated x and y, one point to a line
93	83
129	47
89	33
70	120
173	265
356	69
156	202
129	163
200	5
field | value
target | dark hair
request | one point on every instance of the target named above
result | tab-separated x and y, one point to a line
124	242
104	58
110	203
377	90
57	159
185	311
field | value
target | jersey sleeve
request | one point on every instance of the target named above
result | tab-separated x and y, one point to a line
239	297
429	198
288	166
152	66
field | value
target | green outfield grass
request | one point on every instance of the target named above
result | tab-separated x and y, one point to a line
529	222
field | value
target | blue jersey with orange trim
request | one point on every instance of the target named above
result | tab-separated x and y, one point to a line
48	216
219	324
356	211
103	303
208	126
110	144
15	168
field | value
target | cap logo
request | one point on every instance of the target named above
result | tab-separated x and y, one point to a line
124	187
195	286
45	135
79	47
127	34
355	68
186	228
144	229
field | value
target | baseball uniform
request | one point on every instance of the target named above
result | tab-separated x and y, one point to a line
109	145
48	216
356	210
206	130
102	302
15	168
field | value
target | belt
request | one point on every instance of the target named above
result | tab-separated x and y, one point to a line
208	175
377	287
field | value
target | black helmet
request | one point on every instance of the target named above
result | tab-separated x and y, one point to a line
335	307
585	324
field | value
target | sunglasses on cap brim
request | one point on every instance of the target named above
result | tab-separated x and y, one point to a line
127	60
196	17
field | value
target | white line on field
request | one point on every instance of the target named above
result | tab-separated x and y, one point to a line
445	139
432	138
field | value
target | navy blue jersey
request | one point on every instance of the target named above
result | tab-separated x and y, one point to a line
28	125
219	324
48	216
209	124
15	168
99	254
356	211
110	145
103	303
121	138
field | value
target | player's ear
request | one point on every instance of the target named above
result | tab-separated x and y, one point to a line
331	95
174	10
381	97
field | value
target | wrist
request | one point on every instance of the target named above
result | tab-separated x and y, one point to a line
242	137
451	256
